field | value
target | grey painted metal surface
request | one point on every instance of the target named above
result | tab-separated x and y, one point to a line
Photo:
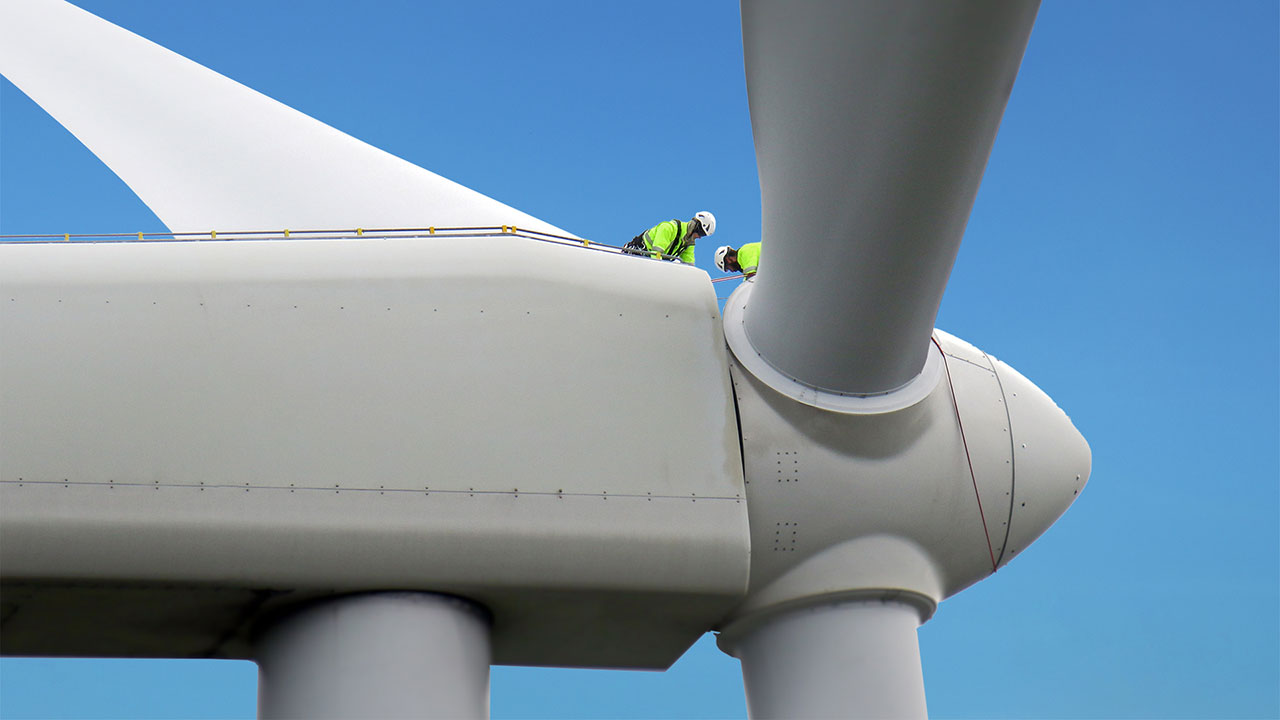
304	417
856	659
872	123
385	655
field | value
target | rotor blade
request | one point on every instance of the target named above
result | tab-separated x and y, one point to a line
858	659
873	122
205	152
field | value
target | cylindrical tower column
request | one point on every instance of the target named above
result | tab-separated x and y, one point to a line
842	659
395	654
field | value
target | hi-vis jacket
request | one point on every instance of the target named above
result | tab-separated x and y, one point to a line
670	237
749	258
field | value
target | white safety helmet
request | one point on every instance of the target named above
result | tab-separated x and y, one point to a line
720	253
708	222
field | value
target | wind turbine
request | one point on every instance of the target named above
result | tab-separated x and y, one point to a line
286	450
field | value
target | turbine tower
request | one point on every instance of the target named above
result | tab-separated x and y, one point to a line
379	462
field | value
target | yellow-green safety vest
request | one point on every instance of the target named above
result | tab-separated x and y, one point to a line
670	237
749	258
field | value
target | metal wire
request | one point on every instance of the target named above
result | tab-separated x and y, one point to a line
430	232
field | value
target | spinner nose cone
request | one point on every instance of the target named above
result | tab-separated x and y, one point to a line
1051	461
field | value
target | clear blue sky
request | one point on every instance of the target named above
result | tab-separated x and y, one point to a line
1124	254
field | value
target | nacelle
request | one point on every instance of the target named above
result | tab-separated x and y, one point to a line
195	433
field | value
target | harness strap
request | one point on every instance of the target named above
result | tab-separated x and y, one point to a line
677	245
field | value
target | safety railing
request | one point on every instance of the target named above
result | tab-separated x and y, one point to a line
475	231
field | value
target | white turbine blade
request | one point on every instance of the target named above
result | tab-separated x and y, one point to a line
377	655
853	659
872	123
207	153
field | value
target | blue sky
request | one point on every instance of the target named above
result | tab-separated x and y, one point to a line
1124	254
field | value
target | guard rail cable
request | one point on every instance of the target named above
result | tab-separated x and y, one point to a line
342	234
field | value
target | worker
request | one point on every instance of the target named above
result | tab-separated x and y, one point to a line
745	259
672	238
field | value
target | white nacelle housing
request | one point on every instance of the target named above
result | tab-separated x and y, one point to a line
195	433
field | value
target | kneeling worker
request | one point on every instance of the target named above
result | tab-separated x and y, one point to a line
673	238
745	259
